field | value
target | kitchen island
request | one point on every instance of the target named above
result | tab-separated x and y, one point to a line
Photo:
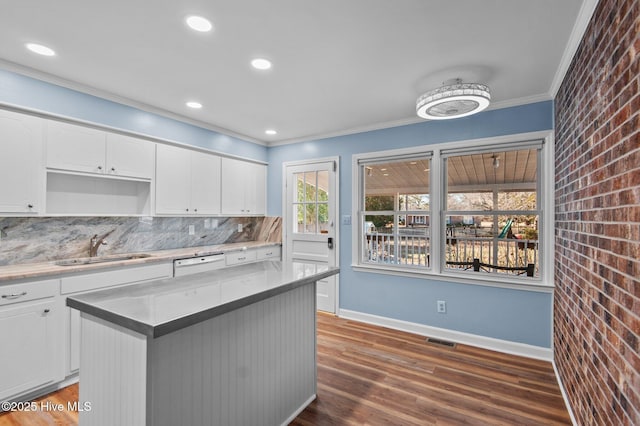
235	346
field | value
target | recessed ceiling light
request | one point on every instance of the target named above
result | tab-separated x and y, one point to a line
261	64
199	23
194	105
40	49
385	174
383	170
271	132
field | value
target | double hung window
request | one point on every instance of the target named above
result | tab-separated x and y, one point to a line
479	213
491	211
396	211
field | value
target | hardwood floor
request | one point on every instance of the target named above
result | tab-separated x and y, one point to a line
369	375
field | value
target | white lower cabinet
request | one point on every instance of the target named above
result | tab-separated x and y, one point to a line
253	255
30	326
269	253
95	281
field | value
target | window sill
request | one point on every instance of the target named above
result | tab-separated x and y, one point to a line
458	278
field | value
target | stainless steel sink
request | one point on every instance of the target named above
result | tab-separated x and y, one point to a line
92	260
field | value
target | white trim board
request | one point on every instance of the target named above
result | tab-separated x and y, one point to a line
504	346
565	397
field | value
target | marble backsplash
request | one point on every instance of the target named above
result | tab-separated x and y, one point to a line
43	239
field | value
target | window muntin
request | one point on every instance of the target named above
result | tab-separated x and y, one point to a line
396	212
491	213
311	205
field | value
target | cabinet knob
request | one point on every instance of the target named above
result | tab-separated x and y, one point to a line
99	167
113	169
195	210
30	206
46	311
187	209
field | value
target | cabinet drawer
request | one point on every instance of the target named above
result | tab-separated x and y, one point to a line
238	257
272	252
115	277
16	293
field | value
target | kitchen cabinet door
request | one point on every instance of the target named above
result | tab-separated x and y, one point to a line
243	187
205	183
187	181
233	186
128	156
256	189
30	326
21	163
77	148
173	180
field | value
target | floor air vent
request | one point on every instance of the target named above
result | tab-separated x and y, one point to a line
439	342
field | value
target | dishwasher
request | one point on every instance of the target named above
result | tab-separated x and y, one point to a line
194	265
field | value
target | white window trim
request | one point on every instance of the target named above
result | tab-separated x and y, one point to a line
546	280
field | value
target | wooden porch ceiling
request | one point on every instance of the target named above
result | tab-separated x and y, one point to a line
466	173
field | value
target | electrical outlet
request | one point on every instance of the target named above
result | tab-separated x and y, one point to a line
192	230
239	227
214	223
207	224
442	307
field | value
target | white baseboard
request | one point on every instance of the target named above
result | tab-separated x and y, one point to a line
564	394
504	346
31	395
300	409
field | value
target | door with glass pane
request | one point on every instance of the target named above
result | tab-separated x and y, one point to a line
310	231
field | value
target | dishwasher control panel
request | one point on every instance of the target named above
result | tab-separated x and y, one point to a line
194	265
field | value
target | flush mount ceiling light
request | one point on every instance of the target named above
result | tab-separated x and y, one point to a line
261	64
198	23
453	101
194	104
40	49
270	132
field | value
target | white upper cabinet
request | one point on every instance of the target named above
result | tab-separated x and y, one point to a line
71	147
21	163
82	149
187	181
243	187
127	156
205	183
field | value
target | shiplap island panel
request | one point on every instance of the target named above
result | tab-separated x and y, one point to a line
230	347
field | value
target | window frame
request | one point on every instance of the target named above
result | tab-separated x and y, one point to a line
361	165
437	183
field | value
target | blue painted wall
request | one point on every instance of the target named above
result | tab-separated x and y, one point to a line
513	315
22	91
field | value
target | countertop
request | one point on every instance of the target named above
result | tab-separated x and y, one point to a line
160	307
43	269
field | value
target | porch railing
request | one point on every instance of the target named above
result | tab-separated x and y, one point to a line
489	254
499	255
411	247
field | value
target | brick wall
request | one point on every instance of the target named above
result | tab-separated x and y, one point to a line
597	235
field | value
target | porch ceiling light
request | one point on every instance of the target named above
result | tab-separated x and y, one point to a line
453	101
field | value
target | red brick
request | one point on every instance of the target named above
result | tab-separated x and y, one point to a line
597	235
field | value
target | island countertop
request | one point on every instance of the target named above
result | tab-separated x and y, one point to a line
161	307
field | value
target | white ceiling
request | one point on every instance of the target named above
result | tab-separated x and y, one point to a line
339	66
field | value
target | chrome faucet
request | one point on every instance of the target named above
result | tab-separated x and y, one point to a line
96	243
